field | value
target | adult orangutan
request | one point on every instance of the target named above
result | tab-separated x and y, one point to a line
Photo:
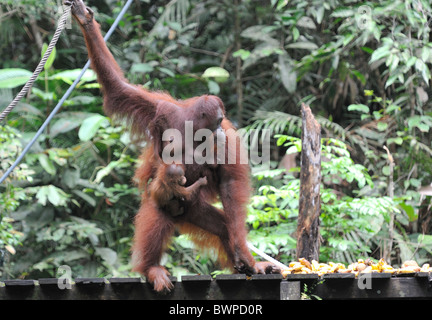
149	115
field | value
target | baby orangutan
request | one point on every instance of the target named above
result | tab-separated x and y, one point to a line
168	189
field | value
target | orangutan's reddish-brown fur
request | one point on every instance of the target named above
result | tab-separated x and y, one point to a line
168	189
148	115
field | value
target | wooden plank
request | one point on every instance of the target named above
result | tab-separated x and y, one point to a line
230	277
196	278
195	287
90	281
298	277
267	277
228	287
19	283
378	288
49	281
124	280
338	276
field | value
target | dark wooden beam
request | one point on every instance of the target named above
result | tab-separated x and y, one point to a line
229	287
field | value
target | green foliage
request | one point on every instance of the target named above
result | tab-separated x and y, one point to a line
56	205
12	78
348	224
12	196
363	67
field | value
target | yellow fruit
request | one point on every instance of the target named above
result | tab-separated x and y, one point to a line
306	263
360	267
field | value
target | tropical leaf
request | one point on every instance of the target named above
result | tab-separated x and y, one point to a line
12	78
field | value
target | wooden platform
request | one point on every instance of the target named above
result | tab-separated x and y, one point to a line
227	287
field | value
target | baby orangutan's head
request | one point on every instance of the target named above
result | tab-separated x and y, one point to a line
176	174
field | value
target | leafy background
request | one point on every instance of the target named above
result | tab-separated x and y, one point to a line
363	67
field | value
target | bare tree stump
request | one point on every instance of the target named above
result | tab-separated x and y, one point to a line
308	235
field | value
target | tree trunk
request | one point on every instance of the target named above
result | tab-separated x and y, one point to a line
308	236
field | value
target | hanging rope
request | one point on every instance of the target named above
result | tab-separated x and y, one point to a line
63	99
29	84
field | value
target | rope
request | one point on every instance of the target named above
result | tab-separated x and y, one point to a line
66	95
30	82
266	256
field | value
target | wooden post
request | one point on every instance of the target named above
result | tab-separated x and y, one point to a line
308	236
